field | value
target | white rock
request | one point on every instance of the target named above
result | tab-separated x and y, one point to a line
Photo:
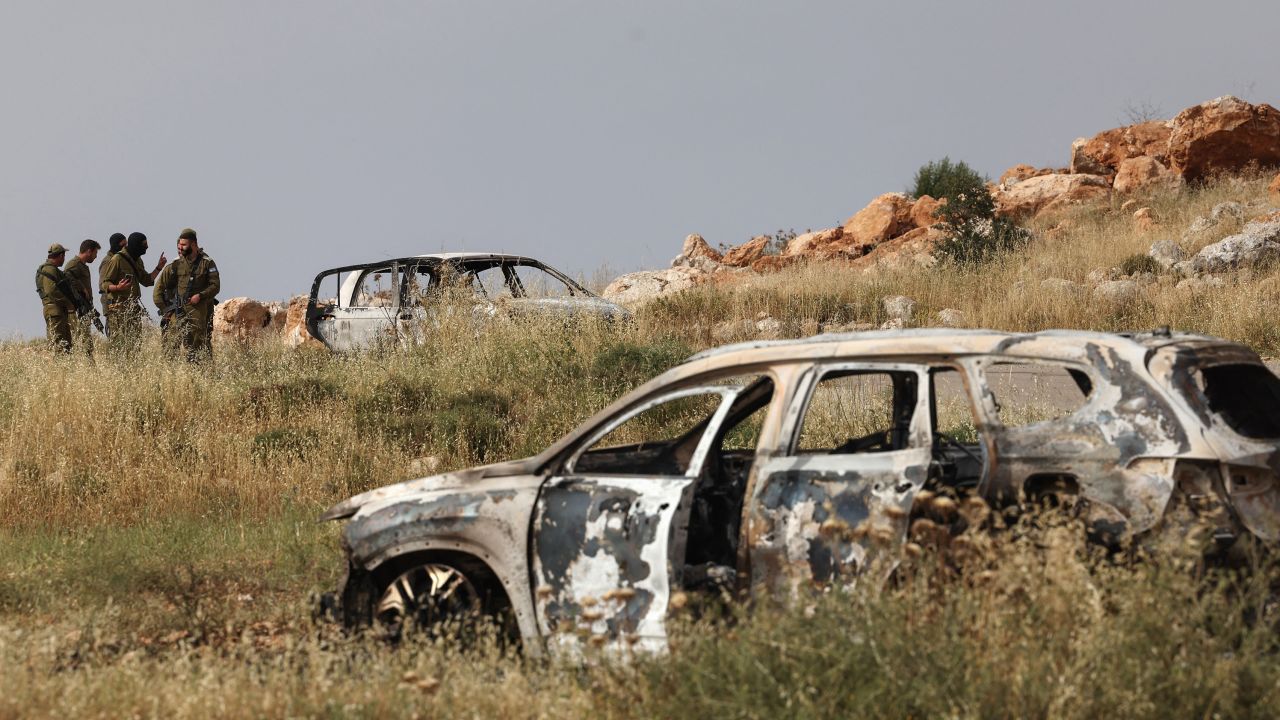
1167	252
1118	292
769	328
1257	243
950	317
645	286
899	307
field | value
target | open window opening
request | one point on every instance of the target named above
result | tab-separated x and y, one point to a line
957	451
859	411
1027	393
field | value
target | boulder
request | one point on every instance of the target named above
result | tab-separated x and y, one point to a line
774	263
641	287
1034	195
1141	173
695	247
1223	135
815	244
1257	243
899	307
1167	252
746	253
294	333
924	211
950	317
241	318
884	217
915	247
1103	153
1118	292
769	328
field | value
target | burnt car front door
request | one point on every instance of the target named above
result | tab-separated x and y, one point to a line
364	311
835	499
607	541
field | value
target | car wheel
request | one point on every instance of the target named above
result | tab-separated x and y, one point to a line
432	598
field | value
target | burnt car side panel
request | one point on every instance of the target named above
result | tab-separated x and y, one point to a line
815	519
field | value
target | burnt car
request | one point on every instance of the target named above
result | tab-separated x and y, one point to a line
391	302
726	472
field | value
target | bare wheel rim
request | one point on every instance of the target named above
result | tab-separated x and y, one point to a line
426	596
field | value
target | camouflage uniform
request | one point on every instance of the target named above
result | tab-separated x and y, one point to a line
184	324
58	308
78	273
124	308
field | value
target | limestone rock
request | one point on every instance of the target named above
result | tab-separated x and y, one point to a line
695	247
241	318
295	332
1223	135
1033	195
1167	252
773	263
884	217
746	253
814	244
1144	220
1141	173
769	328
950	317
641	287
1103	153
899	307
924	212
1020	172
1257	243
1118	292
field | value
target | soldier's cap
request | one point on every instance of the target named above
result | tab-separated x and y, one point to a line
188	234
56	249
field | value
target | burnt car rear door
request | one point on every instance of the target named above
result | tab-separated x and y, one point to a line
607	541
835	499
364	309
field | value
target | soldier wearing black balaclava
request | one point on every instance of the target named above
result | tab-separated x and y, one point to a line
120	279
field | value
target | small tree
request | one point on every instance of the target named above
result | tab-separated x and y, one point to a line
945	179
974	233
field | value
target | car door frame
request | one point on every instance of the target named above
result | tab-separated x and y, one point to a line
828	518
606	549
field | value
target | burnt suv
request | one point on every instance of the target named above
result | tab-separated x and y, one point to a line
728	472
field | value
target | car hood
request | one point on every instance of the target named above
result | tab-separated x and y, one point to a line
446	481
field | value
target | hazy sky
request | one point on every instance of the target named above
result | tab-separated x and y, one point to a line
296	136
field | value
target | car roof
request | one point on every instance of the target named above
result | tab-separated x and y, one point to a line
1062	344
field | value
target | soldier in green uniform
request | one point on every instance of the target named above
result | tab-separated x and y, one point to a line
53	287
77	270
185	294
120	278
114	245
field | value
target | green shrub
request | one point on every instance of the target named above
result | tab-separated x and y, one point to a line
1138	263
945	179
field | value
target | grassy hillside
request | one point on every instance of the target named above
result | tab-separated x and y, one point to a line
158	543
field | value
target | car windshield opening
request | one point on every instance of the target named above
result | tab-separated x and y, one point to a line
1245	396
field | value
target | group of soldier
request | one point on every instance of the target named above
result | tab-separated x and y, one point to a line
184	291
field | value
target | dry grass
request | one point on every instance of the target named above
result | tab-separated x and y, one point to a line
158	544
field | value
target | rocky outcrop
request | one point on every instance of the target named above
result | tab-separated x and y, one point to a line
1143	173
1018	173
638	288
695	247
1167	252
1257	243
924	212
1031	196
821	243
885	217
1223	135
292	323
746	253
1103	153
241	319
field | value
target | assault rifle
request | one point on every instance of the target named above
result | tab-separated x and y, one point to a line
84	306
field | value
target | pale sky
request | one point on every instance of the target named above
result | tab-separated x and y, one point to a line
296	136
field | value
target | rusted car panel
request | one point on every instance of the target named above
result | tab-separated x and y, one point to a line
593	540
392	302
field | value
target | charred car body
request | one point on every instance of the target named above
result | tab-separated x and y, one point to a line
390	302
725	471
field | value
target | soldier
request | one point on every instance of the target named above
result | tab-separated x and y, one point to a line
185	296
114	245
52	285
120	277
77	271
